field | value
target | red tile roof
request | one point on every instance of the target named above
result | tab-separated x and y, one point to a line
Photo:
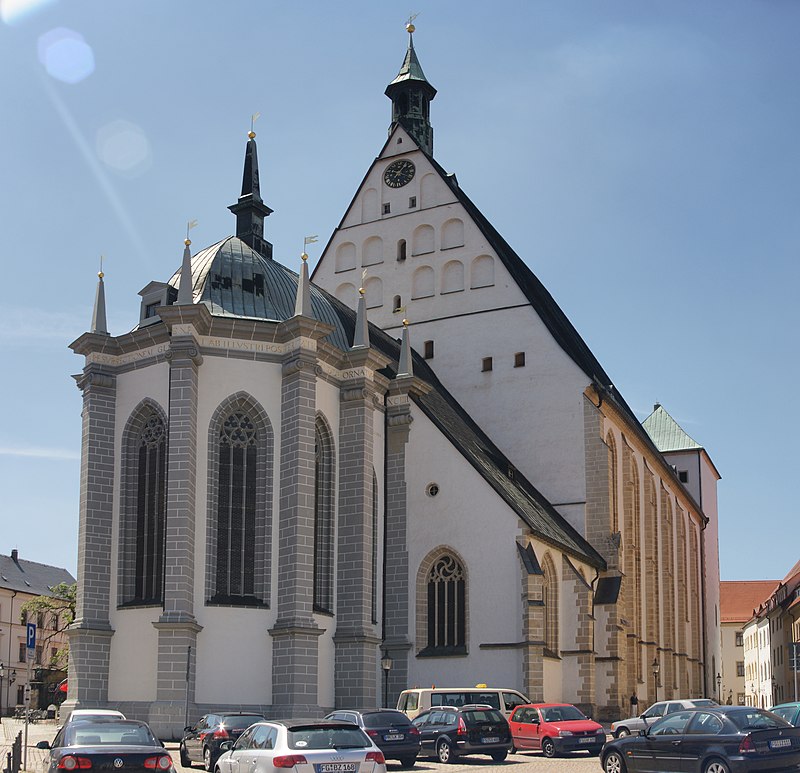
738	599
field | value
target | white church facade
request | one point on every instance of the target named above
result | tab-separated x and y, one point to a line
276	492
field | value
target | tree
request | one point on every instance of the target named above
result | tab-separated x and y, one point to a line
60	607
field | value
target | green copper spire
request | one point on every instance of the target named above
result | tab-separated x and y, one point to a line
411	96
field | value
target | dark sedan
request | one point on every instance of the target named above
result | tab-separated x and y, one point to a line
201	742
719	739
125	745
390	730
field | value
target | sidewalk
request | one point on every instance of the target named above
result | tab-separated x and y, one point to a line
44	730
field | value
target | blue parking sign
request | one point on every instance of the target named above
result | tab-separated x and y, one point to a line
31	636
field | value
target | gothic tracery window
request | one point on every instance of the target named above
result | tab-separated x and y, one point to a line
144	509
446	607
323	519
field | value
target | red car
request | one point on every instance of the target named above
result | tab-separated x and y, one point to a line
554	728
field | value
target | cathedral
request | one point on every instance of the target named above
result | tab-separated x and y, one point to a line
301	492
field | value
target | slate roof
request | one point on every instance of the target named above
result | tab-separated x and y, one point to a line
666	433
411	69
738	599
31	577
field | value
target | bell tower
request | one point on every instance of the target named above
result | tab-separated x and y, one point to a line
411	96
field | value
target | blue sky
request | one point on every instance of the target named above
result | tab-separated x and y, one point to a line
642	157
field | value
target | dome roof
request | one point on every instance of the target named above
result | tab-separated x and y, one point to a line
233	280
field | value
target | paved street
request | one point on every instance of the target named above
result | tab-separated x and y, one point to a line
516	763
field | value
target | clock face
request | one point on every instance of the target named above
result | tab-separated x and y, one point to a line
399	173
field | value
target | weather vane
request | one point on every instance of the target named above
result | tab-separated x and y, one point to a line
191	224
253	118
306	241
410	23
100	273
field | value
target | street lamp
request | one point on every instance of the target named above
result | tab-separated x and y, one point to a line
386	665
719	682
656	668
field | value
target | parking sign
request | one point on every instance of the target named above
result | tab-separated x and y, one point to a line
31	636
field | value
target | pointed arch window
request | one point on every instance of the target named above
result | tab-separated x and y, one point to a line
143	529
550	598
240	464
446	603
323	519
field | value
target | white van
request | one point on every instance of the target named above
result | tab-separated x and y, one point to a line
418	699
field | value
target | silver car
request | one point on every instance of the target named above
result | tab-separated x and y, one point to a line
656	711
315	746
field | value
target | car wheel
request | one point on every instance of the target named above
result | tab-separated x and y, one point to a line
444	751
499	755
716	766
186	762
548	747
622	732
408	762
207	762
613	763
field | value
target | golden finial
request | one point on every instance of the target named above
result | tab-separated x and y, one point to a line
304	257
405	323
410	28
100	273
253	118
360	290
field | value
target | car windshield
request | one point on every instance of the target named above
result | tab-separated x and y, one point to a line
384	718
85	733
327	737
483	715
562	713
785	712
240	721
756	719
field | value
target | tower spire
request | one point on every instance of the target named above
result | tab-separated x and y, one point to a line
99	324
411	95
185	295
250	209
302	304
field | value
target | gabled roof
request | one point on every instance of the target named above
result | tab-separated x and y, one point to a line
666	433
17	574
739	599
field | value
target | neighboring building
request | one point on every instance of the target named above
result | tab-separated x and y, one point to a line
20	582
768	638
738	599
275	493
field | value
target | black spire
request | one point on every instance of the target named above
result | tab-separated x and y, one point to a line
250	210
411	96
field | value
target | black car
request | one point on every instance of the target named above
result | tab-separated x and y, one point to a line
448	732
201	742
107	745
390	730
718	739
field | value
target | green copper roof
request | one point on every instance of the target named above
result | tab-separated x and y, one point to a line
411	69
667	433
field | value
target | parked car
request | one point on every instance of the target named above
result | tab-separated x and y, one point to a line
656	711
107	744
319	746
450	732
92	714
555	728
201	743
716	739
390	730
789	711
418	699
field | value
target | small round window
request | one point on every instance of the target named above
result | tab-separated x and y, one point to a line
432	490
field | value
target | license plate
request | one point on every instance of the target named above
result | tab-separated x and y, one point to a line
336	767
587	739
780	743
491	739
394	737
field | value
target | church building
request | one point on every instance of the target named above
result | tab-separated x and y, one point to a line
305	493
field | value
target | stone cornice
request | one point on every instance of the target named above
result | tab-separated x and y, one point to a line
303	327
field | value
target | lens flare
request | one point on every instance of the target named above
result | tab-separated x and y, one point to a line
13	11
66	56
124	147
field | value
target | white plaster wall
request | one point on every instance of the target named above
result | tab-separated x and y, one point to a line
468	517
731	654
